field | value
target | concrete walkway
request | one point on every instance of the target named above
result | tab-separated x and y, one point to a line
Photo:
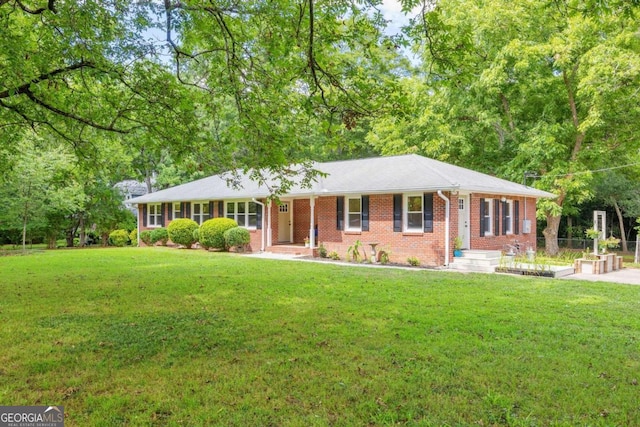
630	276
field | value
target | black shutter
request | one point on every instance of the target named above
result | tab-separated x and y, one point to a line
162	207
516	217
427	212
339	213
482	214
187	209
365	213
258	216
182	204
144	215
496	217
397	212
210	210
220	209
170	211
505	209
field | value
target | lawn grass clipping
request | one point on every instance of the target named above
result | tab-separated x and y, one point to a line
156	336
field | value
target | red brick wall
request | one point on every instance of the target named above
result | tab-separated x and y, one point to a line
498	242
427	247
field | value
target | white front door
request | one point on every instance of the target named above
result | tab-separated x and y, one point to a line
284	222
463	220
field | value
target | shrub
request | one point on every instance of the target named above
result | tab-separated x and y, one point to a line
181	231
145	237
413	261
160	235
322	251
238	238
119	238
196	235
334	255
133	236
212	232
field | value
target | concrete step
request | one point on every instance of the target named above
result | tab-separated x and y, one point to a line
476	253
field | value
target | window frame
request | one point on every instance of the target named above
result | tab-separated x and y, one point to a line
488	217
154	220
248	216
406	212
176	213
348	213
508	215
200	217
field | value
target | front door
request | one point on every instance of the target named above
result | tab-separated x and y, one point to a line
463	220
284	222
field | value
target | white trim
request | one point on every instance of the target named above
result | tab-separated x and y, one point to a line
246	214
347	212
405	213
509	216
202	214
488	230
157	215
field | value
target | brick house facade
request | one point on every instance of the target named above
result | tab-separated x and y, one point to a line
409	213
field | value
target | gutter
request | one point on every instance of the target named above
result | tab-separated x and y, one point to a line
446	227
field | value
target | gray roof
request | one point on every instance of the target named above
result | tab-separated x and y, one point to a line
380	175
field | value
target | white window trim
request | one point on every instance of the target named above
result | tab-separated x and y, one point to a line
201	214
247	215
510	216
347	212
489	231
405	213
157	215
176	213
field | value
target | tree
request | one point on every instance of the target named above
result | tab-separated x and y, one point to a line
39	186
524	87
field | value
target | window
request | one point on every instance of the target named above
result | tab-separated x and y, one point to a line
154	215
508	217
354	214
200	212
487	216
413	212
245	213
176	209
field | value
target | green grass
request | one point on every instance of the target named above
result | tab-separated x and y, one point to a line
161	336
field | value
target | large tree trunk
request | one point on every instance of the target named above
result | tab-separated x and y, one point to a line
551	235
623	236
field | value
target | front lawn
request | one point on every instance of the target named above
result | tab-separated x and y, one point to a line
160	336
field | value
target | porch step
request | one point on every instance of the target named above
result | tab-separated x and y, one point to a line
477	260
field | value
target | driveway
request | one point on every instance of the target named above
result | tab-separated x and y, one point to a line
629	276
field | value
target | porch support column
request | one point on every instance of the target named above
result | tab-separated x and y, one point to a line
446	227
312	227
269	239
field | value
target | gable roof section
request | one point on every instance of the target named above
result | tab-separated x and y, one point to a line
381	175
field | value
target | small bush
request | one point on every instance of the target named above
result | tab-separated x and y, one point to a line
119	238
334	255
133	236
413	261
322	251
196	235
145	237
159	235
181	231
238	238
212	232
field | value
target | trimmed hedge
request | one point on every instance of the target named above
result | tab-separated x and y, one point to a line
133	236
237	238
119	238
145	237
212	232
181	231
159	235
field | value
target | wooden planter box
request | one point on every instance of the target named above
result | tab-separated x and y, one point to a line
608	262
589	266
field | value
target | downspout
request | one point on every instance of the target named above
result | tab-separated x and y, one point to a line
312	226
138	223
446	227
262	219
269	231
